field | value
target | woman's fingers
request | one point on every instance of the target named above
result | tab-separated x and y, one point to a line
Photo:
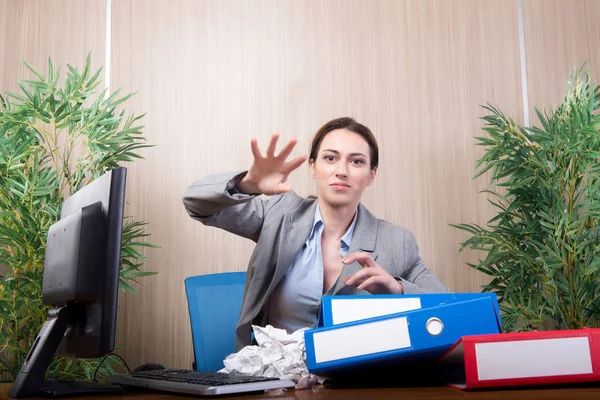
295	163
362	258
287	150
366	261
374	280
269	173
363	274
255	149
352	280
272	145
381	284
283	154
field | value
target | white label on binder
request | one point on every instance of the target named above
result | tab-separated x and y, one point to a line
348	310
533	358
362	339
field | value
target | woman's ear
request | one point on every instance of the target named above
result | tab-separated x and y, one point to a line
311	163
372	175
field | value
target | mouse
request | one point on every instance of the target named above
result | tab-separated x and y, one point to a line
148	367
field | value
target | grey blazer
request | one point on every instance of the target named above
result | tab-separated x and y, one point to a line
280	226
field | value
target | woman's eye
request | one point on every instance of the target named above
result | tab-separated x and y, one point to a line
358	161
329	158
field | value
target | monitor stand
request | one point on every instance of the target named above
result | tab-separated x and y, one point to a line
31	379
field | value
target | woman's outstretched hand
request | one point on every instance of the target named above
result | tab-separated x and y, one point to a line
268	174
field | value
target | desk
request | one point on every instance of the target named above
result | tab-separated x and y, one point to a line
431	393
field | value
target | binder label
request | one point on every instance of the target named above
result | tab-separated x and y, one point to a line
348	310
360	340
533	358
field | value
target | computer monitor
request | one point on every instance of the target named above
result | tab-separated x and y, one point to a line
80	284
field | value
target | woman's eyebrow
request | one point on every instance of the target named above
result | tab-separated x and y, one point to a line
337	152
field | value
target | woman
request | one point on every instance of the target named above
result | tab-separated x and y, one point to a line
309	247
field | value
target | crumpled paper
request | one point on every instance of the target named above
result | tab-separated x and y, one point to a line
278	355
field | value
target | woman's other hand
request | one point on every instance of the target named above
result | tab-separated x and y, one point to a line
372	277
268	174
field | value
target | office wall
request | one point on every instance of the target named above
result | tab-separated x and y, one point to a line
212	74
561	36
64	30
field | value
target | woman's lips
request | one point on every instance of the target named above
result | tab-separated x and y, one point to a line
339	185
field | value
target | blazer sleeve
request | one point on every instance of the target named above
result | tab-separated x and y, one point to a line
417	278
215	201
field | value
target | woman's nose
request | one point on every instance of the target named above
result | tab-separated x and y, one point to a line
340	169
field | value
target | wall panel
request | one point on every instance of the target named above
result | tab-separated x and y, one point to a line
64	30
212	74
560	36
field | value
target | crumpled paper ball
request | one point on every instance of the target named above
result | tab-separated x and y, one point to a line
278	355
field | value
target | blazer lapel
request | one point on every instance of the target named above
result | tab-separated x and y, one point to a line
363	239
295	230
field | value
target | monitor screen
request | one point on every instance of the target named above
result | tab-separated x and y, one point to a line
80	284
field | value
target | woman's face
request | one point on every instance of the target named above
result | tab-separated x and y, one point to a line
342	168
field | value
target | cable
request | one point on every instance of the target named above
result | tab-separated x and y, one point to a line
104	358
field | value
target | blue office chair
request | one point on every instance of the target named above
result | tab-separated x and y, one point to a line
214	302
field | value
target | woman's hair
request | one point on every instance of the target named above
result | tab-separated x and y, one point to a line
351	125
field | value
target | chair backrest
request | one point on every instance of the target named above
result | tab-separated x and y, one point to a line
214	302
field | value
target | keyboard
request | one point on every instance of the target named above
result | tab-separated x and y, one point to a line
198	382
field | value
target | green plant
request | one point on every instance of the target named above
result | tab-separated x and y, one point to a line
543	246
53	140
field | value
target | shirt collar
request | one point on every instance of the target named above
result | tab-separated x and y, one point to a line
347	238
318	222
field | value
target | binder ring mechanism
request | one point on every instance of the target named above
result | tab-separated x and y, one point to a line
434	326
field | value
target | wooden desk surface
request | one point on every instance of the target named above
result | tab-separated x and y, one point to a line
430	393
